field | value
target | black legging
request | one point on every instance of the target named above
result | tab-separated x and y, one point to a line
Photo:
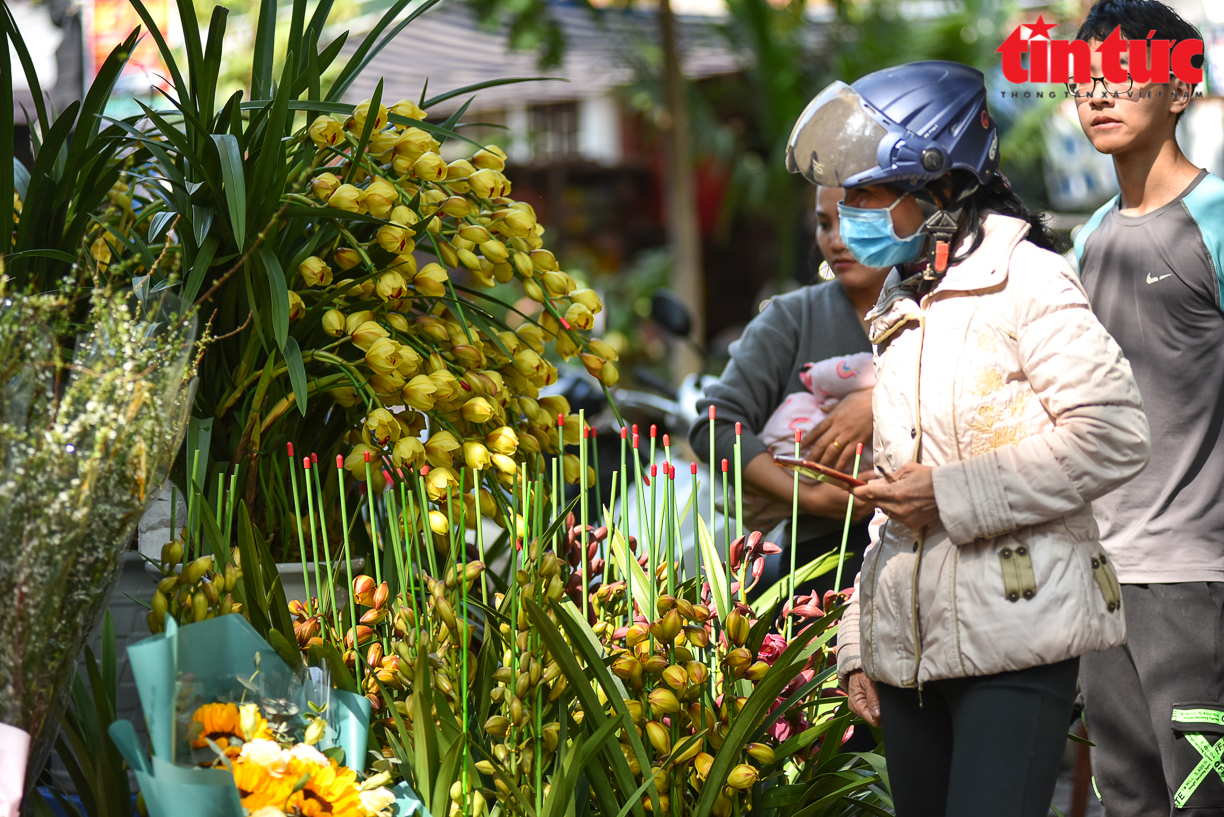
989	745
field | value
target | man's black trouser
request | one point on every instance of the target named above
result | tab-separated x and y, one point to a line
988	745
1155	705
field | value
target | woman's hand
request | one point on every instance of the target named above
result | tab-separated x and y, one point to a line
822	499
907	495
862	696
847	425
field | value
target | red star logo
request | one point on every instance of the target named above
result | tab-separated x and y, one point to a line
1040	28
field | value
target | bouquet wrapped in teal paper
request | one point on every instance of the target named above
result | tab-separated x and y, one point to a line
235	731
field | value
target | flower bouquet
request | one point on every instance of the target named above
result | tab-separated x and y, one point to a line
235	731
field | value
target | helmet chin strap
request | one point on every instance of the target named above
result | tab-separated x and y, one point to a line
940	224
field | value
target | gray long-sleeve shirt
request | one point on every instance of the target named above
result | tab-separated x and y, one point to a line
808	325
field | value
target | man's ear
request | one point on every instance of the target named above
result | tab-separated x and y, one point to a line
1180	92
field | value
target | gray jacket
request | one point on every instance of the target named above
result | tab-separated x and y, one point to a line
1006	384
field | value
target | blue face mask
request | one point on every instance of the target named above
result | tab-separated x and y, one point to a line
869	235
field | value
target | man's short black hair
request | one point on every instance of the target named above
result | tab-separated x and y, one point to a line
1137	18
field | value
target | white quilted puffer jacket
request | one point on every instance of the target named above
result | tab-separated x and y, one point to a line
1003	381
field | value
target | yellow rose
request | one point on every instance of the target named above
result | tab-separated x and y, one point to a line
407	451
323	185
383	356
502	440
333	323
382	426
368	332
476	455
296	308
419	392
429	167
315	272
477	410
380	198
348	198
325	131
408	109
438	448
361	113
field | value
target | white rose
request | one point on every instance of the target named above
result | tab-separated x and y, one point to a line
266	753
376	802
309	754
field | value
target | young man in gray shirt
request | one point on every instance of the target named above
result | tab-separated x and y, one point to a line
1152	262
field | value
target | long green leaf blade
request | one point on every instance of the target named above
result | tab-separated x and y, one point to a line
234	179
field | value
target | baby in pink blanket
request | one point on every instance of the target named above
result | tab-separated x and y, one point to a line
827	383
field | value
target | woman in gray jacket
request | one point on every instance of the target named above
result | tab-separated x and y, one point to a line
1002	409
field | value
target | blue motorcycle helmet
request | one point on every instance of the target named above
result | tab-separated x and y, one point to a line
905	126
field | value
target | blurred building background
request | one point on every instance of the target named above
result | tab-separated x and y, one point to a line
594	141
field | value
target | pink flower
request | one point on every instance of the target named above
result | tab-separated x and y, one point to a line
753	550
772	648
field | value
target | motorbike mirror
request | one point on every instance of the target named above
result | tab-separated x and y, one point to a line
667	310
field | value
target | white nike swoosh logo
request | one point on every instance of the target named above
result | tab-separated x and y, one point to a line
1151	279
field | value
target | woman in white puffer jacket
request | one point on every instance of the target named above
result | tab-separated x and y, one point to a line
1002	409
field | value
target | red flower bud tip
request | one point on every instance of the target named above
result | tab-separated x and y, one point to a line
646	479
666	441
711	411
565	323
672	475
463	384
314	458
724	466
624	433
635	431
654	431
798	435
424	470
858	450
738	427
560	420
635	440
339	461
290	447
305	463
594	432
654	470
367	455
693	468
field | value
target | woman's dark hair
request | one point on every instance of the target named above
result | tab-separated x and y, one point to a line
997	197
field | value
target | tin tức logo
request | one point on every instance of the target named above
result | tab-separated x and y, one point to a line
1068	61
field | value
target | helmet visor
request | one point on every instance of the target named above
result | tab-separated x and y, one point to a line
835	139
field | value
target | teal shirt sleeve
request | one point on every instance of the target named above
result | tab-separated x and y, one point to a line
1081	238
1206	206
